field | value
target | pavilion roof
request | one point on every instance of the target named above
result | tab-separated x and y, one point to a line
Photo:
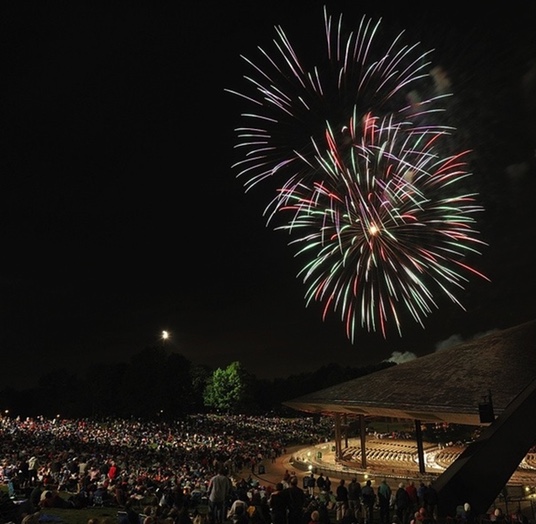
447	385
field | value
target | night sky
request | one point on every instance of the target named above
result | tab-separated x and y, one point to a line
120	215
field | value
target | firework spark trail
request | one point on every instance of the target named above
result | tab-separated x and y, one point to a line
291	106
379	215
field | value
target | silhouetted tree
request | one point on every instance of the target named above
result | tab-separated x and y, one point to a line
157	384
177	396
59	394
101	393
144	386
200	375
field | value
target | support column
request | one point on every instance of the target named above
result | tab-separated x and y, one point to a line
363	434
420	447
337	436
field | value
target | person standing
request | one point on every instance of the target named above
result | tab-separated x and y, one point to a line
33	466
219	492
384	501
413	497
404	508
24	473
341	500
369	499
421	490
113	471
311	485
286	478
430	501
295	502
327	485
278	506
354	498
321	482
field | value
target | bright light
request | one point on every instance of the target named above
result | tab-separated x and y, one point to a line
165	335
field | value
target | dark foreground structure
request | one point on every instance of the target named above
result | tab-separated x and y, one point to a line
490	381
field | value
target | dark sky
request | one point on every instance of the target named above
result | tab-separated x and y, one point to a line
120	215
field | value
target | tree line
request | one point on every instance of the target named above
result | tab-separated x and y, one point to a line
156	384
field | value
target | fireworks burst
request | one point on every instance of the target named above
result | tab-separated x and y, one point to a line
379	213
378	228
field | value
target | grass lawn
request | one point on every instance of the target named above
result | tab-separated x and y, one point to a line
76	516
81	516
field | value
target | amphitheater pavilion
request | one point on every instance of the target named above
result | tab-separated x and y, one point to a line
489	382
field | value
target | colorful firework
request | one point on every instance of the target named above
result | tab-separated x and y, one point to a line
379	213
379	231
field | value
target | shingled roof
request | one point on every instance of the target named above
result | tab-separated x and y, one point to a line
447	385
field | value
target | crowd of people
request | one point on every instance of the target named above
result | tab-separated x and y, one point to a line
354	503
199	470
162	466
